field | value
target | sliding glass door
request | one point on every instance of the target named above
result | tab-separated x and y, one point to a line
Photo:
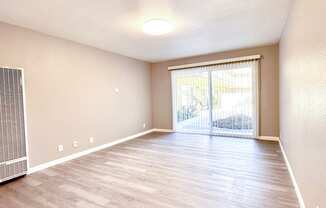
220	99
191	100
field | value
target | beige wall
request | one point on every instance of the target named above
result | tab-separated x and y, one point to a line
70	92
161	87
303	98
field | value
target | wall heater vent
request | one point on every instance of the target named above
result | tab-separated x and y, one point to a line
13	158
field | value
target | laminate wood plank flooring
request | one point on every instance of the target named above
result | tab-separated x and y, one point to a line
162	170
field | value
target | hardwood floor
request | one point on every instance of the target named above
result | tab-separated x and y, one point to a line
162	170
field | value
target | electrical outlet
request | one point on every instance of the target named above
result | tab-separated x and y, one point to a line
91	140
144	125
75	144
60	148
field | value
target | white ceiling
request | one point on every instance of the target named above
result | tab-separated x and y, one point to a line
201	26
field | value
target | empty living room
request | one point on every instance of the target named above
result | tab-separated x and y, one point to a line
162	104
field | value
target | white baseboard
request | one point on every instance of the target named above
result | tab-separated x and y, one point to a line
269	138
85	152
294	181
163	130
266	138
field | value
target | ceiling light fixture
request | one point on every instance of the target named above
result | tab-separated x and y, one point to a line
157	27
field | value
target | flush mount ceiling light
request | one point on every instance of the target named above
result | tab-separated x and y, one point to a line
157	27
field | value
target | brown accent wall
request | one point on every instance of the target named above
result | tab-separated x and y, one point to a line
70	92
303	98
269	111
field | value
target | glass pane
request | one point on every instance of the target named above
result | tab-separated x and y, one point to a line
232	101
191	100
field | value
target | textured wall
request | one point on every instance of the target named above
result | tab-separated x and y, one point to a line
161	87
70	92
303	97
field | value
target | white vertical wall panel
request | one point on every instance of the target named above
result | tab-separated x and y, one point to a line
12	129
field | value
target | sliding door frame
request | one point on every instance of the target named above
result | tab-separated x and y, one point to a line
255	100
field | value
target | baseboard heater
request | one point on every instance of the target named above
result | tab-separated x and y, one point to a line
13	156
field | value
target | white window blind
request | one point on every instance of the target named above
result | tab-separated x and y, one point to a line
220	99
